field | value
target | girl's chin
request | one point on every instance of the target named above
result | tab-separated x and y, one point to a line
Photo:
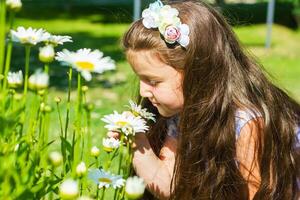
164	113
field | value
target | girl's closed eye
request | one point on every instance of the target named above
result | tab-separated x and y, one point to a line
153	82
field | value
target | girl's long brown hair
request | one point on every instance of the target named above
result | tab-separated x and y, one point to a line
219	78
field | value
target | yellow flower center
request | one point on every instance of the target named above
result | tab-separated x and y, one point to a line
85	65
107	149
105	180
136	114
121	123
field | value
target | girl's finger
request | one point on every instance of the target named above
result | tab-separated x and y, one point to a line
113	134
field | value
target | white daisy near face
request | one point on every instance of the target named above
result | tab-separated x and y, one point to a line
125	122
15	79
105	179
68	189
28	36
38	80
110	144
137	110
86	61
135	187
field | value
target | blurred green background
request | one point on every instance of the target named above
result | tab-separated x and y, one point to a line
101	24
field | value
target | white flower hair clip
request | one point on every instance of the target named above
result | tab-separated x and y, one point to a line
166	19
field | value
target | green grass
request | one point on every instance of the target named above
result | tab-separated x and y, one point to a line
282	60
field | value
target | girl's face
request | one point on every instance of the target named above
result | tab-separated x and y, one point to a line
159	82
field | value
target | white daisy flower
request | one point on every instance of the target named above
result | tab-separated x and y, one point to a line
15	79
81	169
38	80
14	5
105	179
46	54
28	36
135	187
125	122
109	144
137	110
57	39
69	189
86	61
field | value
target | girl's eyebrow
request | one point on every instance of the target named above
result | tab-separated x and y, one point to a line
148	76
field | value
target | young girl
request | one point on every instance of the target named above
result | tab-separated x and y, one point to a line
223	130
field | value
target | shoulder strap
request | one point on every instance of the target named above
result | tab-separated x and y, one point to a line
242	117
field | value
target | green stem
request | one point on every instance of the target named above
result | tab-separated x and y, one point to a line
51	179
9	49
96	158
115	193
80	139
129	151
67	114
103	193
46	68
97	193
121	158
88	130
81	188
2	33
68	102
27	56
79	98
61	134
7	63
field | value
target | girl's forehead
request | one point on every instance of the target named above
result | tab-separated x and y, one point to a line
148	64
145	59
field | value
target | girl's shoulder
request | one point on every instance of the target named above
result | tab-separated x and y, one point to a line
244	116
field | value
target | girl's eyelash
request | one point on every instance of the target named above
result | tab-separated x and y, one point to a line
152	82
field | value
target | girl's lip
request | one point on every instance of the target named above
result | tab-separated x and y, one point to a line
155	104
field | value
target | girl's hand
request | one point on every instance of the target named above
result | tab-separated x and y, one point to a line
113	134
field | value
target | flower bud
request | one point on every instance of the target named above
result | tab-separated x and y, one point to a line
15	79
85	198
55	158
39	80
68	189
57	99
89	106
84	88
48	108
41	92
46	54
14	5
81	169
18	96
95	151
134	188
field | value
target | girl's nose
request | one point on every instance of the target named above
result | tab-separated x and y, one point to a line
145	90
